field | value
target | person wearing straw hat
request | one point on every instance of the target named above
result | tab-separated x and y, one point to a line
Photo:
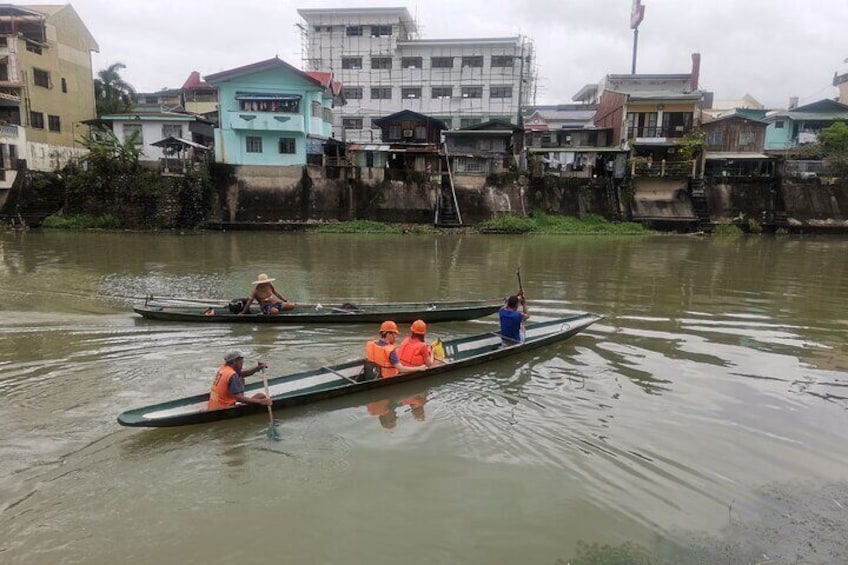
270	301
228	386
414	351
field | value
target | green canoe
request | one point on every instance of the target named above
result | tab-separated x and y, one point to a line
338	380
325	313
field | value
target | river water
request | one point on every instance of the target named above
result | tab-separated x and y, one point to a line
703	421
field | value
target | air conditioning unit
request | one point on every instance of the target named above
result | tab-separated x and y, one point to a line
410	96
407	133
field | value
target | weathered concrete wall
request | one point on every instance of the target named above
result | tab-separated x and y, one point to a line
739	199
818	202
661	198
569	196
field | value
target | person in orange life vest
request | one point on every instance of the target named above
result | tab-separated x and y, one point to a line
270	301
228	386
382	353
414	351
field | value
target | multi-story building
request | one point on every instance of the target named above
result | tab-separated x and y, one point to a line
46	87
272	113
386	68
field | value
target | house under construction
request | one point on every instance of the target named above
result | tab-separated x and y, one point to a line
385	68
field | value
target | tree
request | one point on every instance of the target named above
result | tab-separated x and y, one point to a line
112	94
834	144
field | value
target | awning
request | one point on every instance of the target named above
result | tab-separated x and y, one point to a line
722	155
266	96
369	147
172	141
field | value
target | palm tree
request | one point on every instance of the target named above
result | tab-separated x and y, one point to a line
112	93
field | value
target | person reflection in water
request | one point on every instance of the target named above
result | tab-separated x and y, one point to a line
386	409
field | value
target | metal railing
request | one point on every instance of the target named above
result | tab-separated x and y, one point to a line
667	131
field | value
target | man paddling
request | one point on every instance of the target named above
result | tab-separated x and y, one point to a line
511	318
228	386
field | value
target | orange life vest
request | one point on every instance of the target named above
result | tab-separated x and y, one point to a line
219	396
413	352
379	355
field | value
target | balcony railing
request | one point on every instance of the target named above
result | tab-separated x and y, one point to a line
640	167
653	132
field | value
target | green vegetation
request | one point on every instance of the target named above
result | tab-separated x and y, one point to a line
112	94
727	230
367	226
82	222
549	224
110	182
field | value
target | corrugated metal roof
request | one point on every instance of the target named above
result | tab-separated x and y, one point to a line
723	155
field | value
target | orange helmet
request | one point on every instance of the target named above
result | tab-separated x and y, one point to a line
388	326
418	327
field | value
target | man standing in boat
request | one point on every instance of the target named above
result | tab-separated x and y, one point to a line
270	301
381	356
228	386
414	350
511	318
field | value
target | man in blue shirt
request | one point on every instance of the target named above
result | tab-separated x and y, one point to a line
511	318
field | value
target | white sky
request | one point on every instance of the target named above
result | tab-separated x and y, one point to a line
772	49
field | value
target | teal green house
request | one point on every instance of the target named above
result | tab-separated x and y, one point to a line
271	113
789	129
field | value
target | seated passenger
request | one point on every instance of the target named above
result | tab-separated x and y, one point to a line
228	386
414	351
381	357
270	301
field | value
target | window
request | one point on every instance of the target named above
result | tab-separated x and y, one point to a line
287	145
442	92
447	119
500	92
411	92
380	31
378	63
4	72
316	109
502	60
352	123
394	132
472	92
352	92
132	132
778	124
469	122
352	63
327	115
381	93
254	144
172	130
41	78
747	138
64	85
473	61
54	123
420	133
441	62
287	105
36	120
33	47
353	31
411	62
713	138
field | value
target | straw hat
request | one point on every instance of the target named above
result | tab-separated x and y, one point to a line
262	279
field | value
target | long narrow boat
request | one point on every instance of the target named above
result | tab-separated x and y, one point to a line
325	313
338	380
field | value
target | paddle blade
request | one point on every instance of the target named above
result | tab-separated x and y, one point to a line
272	432
438	349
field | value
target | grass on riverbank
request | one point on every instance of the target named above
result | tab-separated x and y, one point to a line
82	222
367	226
546	224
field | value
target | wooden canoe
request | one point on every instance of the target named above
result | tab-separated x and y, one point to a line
326	313
338	380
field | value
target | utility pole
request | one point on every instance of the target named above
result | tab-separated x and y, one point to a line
519	121
636	15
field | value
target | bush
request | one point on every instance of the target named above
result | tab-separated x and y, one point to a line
81	222
550	224
727	230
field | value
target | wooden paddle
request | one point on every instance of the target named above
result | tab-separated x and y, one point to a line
272	428
523	301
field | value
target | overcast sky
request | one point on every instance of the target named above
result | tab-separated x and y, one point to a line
772	49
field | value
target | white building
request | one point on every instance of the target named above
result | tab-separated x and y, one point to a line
385	68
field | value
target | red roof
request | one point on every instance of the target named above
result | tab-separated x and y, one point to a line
193	81
326	80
